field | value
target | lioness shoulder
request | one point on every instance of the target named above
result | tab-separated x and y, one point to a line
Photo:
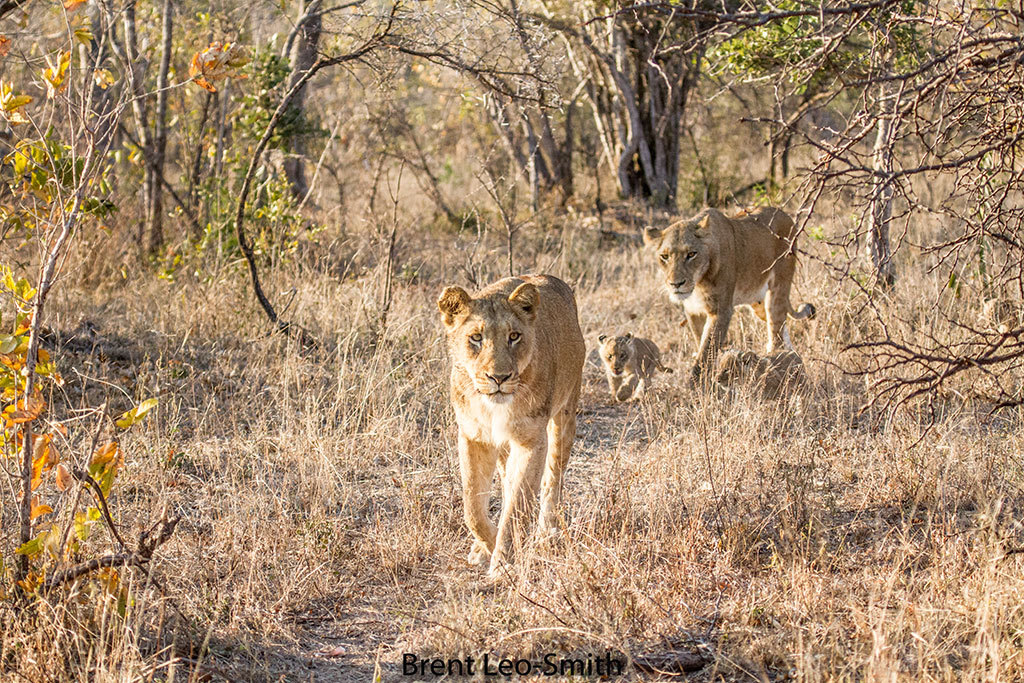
517	359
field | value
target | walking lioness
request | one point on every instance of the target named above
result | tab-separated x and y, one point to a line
713	262
517	359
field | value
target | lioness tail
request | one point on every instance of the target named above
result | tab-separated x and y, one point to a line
806	311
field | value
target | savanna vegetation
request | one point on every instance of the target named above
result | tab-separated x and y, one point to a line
227	449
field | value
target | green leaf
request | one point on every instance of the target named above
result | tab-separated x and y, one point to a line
34	546
135	414
84	521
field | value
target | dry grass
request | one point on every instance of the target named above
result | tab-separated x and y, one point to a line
321	506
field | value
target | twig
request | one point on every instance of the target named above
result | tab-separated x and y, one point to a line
83	476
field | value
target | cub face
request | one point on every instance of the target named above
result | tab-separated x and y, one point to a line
683	257
617	353
491	339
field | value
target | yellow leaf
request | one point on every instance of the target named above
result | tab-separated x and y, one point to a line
72	5
83	35
16	102
55	74
39	510
102	78
135	414
31	582
104	454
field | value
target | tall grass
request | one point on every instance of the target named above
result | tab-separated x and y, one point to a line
321	507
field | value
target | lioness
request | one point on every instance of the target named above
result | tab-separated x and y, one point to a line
713	262
772	375
629	364
517	360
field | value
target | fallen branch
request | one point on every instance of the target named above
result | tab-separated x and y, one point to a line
148	543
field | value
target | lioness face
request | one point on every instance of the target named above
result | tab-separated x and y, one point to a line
682	257
491	338
616	352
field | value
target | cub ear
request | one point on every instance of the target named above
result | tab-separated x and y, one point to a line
652	235
627	336
602	337
525	299
452	302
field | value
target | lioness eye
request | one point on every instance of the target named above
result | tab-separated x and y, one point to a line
692	255
476	338
663	257
513	336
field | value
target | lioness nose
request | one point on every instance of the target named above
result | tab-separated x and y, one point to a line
498	379
679	283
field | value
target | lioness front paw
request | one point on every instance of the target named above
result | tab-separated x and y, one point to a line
549	525
499	569
694	382
478	554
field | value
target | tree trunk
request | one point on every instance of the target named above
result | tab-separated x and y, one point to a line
881	196
638	91
303	53
882	184
155	205
140	109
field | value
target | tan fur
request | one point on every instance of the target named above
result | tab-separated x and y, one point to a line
629	364
712	263
773	376
515	402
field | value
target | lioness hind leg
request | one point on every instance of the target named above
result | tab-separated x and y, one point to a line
776	302
476	463
561	434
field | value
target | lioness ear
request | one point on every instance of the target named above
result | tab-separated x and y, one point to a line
525	298
627	336
452	302
602	337
652	235
703	228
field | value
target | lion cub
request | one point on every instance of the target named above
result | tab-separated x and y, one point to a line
517	360
629	363
772	375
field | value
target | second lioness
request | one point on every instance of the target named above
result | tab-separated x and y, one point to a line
713	262
629	364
